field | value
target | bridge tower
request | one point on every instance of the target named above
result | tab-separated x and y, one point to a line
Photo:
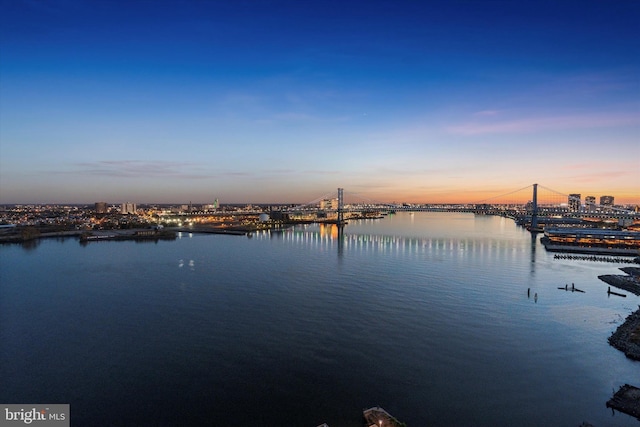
340	207
534	211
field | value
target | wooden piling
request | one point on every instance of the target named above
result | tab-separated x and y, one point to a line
610	292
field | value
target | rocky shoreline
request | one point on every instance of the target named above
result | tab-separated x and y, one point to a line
627	337
629	283
626	400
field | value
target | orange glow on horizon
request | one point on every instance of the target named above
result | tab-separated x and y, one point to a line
490	197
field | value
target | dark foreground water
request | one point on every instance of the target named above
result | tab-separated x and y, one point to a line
426	315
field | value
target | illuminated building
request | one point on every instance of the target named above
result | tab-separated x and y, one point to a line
606	200
329	204
128	208
591	240
574	202
590	203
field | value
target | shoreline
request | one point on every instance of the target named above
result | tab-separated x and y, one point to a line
133	234
626	337
148	233
626	400
629	282
16	238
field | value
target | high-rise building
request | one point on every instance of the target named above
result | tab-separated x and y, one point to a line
128	208
590	203
606	200
575	202
101	207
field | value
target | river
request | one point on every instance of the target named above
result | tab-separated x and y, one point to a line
426	314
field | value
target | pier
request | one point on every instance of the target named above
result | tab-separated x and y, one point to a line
133	234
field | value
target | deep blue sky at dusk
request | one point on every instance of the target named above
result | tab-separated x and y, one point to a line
284	101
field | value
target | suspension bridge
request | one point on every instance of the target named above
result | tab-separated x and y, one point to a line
532	206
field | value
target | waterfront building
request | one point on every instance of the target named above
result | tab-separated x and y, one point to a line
329	204
211	207
590	203
606	200
101	207
575	202
128	208
591	240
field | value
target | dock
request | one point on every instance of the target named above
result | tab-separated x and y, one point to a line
626	400
378	417
131	234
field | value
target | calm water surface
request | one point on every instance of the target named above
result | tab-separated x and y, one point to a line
424	314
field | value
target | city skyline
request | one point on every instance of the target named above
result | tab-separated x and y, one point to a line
522	196
282	102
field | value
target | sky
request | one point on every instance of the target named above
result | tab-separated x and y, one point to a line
285	101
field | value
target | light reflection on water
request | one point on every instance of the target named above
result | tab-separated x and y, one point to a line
426	315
